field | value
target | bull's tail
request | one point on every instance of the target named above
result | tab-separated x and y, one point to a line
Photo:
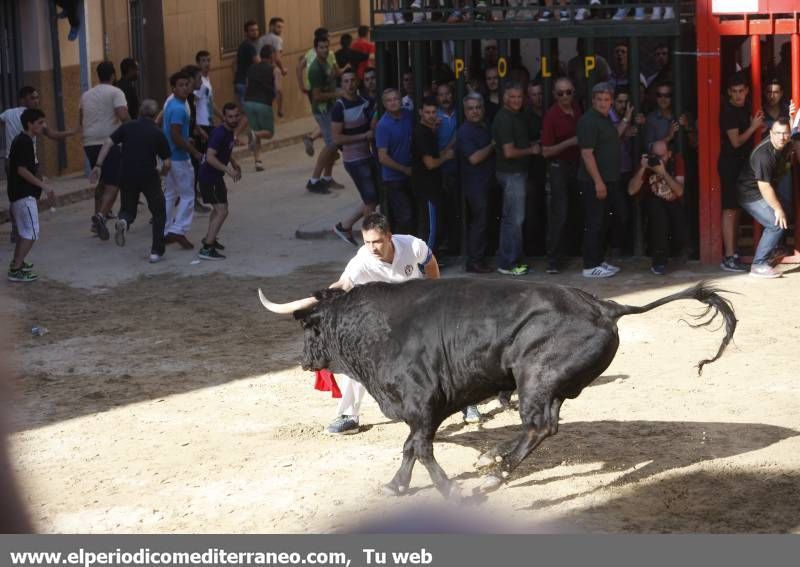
702	292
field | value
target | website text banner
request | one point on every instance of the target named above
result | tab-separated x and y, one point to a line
397	550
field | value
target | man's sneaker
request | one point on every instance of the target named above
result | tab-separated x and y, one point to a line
564	15
418	16
656	15
155	258
764	271
581	14
659	270
209	253
732	264
613	268
119	231
598	272
343	425
545	16
200	208
320	187
388	18
519	270
669	13
471	414
479	268
26	266
333	184
552	268
346	235
620	14
639	14
99	223
217	244
21	276
308	143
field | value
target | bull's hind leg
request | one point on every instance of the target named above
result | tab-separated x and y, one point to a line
399	484
540	420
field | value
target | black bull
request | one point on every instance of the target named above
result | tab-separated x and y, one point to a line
426	349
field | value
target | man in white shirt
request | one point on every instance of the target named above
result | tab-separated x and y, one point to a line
274	39
102	109
383	258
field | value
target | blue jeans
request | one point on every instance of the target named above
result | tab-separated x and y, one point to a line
765	215
364	175
513	187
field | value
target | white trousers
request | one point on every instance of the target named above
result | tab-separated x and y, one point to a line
352	394
179	185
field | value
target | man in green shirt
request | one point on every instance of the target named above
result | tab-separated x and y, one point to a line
322	85
598	175
511	137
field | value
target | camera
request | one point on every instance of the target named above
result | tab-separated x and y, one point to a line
653	160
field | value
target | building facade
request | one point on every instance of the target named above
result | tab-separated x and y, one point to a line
163	36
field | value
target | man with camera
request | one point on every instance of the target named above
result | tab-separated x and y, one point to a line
661	175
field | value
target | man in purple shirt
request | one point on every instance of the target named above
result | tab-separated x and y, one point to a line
218	161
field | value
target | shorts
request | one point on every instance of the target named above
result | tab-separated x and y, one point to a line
215	193
729	170
365	176
324	121
111	172
26	217
259	116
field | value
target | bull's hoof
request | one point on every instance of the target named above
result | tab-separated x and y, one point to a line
453	492
484	460
491	484
392	489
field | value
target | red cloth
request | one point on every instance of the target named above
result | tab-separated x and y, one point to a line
326	382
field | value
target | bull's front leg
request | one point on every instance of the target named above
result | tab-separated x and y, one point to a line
423	448
399	484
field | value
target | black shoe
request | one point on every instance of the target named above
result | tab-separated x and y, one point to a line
552	268
217	244
99	223
320	187
479	268
208	253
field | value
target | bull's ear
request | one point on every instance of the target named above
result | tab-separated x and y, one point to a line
328	293
308	318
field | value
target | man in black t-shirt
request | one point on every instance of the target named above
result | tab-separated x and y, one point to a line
24	189
737	128
760	194
142	142
246	55
127	84
426	174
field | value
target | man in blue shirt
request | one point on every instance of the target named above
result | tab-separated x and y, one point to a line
180	179
393	140
476	159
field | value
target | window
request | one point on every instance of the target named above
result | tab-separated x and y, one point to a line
232	16
341	14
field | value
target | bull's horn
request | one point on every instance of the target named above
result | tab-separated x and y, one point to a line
286	308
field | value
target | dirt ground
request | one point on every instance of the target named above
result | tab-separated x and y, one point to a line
176	404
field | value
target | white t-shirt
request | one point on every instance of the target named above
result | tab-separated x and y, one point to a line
13	125
275	41
99	106
202	101
409	253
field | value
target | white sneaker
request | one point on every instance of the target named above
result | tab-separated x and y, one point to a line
511	14
612	267
564	15
418	16
154	258
669	13
594	3
656	13
581	14
388	18
639	15
620	14
598	272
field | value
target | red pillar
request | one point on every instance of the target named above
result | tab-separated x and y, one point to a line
708	99
755	95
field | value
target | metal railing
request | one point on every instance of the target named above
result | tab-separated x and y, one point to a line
341	14
479	12
232	16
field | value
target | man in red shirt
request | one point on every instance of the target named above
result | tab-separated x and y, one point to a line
560	149
364	45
